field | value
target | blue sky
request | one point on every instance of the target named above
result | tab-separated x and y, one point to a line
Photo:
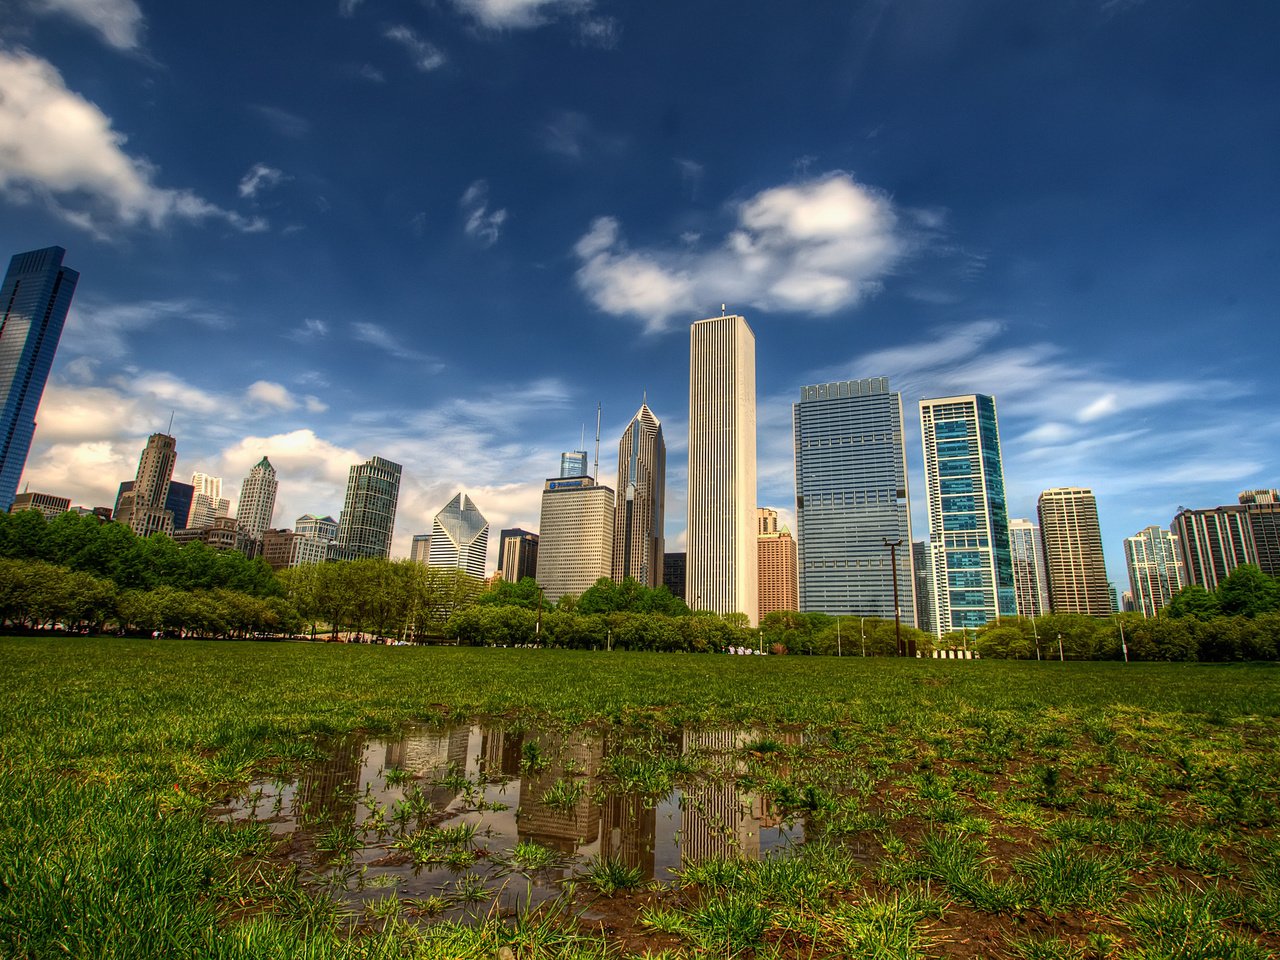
442	231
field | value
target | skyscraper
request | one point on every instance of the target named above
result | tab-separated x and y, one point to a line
573	463
35	297
575	536
1263	509
1155	569
968	518
257	499
923	570
722	564
776	552
142	508
369	510
1030	587
317	528
641	505
207	503
852	500
517	554
1073	560
1213	542
460	537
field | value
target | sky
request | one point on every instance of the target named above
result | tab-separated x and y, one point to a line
443	231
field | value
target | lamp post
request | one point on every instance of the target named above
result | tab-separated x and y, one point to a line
893	546
837	636
862	629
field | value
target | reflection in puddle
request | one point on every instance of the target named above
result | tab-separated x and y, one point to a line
474	818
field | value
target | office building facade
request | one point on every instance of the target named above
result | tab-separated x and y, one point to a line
673	573
722	566
575	536
317	528
1263	509
517	554
1155	569
1073	560
368	516
922	569
1030	586
778	586
47	504
34	300
852	501
460	537
640	511
968	515
1213	542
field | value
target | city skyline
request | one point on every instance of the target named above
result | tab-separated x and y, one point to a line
271	253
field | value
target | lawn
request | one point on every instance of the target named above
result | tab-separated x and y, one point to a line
948	808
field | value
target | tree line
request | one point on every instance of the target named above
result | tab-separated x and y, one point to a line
1238	621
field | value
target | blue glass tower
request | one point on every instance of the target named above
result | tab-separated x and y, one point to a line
35	298
852	500
968	518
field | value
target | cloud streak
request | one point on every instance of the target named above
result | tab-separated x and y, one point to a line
482	224
118	22
426	56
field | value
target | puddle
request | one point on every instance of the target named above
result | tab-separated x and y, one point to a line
445	820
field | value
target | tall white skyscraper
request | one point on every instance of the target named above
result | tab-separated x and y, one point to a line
257	499
1030	586
459	537
968	518
641	501
1155	569
722	562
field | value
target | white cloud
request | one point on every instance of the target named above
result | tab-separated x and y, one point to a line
347	8
282	121
268	394
103	329
382	338
311	329
482	224
602	32
119	22
814	247
260	177
426	55
515	14
58	147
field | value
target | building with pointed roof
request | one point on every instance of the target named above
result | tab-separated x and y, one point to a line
639	513
257	499
460	537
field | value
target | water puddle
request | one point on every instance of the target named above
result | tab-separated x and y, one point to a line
473	819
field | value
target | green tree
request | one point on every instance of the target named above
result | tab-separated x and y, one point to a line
1248	592
1193	601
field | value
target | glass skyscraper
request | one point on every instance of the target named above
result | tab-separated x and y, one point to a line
852	500
968	518
34	299
369	510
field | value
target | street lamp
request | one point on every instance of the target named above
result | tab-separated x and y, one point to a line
893	546
837	636
862	628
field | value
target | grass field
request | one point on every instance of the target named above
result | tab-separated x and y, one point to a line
950	808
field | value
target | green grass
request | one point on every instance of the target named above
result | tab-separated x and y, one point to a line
1139	799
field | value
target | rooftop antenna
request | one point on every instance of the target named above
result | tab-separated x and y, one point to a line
596	472
169	432
582	437
722	310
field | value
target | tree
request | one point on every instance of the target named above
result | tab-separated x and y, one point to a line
1193	601
1248	592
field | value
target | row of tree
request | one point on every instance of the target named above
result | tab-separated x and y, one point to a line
112	552
1245	592
39	595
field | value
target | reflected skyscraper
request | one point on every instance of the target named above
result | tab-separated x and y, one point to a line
639	514
34	298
